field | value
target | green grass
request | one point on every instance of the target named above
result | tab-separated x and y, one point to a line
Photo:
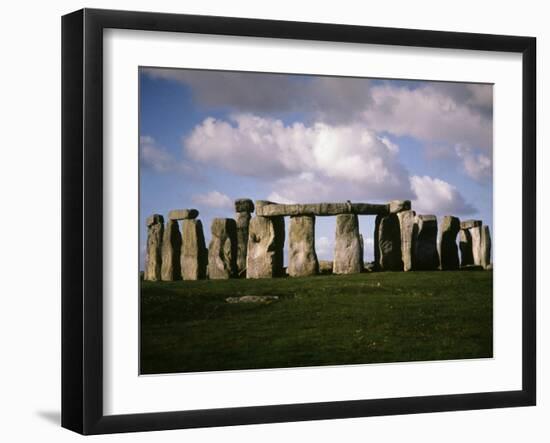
323	320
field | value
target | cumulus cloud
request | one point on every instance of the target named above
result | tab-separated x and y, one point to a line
330	99
213	199
158	158
444	113
305	161
324	247
475	164
435	196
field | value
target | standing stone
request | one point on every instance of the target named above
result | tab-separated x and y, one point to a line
244	205
243	220
426	257
171	250
347	248
448	250
193	251
222	251
155	230
475	233
485	247
302	259
243	208
375	241
389	243
465	245
266	237
409	231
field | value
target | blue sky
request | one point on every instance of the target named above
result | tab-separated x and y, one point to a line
209	137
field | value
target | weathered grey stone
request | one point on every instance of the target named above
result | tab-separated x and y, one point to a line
376	242
465	245
302	259
155	230
475	232
243	220
222	251
467	224
154	219
171	250
266	237
448	249
409	231
325	266
389	244
426	257
194	255
183	214
370	267
396	206
486	248
253	299
347	249
244	205
472	268
269	209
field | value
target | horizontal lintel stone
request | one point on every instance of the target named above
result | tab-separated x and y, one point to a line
183	214
268	209
467	224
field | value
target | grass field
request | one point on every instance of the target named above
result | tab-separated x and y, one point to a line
322	320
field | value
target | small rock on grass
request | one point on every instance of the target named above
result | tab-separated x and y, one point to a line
252	299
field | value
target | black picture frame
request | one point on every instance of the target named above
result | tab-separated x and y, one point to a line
82	218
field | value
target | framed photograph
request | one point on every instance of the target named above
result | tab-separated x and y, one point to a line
269	221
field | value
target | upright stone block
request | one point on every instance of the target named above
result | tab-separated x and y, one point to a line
475	233
222	251
243	208
485	247
448	249
426	257
244	205
171	250
243	220
347	248
266	237
389	244
302	259
155	231
193	251
409	232
376	243
465	245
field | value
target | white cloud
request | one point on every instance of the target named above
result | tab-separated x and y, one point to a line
440	113
435	196
158	158
304	161
476	165
324	247
213	199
